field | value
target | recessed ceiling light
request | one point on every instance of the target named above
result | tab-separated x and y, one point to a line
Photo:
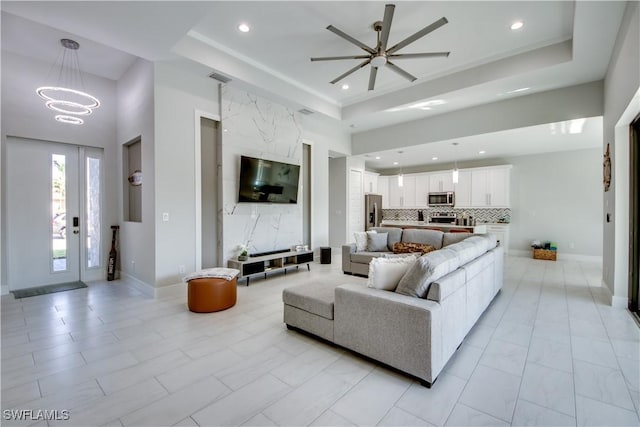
225	130
427	104
522	89
517	25
345	86
481	152
395	163
434	158
377	157
244	28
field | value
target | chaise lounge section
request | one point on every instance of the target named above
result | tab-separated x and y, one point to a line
416	328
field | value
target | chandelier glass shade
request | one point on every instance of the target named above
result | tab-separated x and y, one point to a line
62	97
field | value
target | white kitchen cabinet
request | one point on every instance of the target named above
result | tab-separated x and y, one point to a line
370	182
502	233
402	196
422	190
383	190
409	191
463	189
490	187
441	181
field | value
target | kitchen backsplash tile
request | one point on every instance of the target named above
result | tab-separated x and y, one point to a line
482	215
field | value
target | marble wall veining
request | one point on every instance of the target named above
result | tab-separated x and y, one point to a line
482	215
256	127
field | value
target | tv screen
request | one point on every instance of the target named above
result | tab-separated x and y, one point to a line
266	181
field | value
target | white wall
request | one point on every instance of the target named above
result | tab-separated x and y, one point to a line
25	115
557	197
135	119
337	201
622	83
323	135
180	90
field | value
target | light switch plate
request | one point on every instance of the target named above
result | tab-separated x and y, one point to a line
165	216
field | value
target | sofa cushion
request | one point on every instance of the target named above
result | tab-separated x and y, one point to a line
446	285
409	247
385	273
468	250
450	238
395	234
365	257
314	298
476	266
361	239
427	237
428	268
377	242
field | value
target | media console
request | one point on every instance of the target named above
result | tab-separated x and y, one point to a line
270	263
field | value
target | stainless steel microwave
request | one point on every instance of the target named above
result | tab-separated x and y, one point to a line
446	198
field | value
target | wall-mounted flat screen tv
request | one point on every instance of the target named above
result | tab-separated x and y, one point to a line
266	181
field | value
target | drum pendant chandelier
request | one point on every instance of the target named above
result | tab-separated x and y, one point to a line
71	103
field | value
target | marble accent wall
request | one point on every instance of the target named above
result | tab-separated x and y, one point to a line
256	127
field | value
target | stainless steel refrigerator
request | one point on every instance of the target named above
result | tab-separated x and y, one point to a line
372	211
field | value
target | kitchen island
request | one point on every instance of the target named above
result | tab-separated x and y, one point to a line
478	229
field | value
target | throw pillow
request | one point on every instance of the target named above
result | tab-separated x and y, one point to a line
361	239
426	270
377	242
385	273
408	247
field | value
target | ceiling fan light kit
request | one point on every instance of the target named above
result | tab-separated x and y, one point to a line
379	56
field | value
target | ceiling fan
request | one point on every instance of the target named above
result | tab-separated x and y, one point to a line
380	55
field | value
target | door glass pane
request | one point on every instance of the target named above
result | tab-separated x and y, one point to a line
59	209
93	212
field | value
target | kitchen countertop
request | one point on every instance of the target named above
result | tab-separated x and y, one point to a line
420	224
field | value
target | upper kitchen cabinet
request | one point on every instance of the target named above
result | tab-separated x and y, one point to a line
402	196
370	182
383	190
490	187
442	181
422	190
463	189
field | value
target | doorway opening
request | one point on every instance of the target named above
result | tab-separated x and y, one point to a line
634	218
53	222
207	191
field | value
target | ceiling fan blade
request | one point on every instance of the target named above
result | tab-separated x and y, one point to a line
386	26
423	32
353	70
400	71
419	55
372	77
336	58
349	38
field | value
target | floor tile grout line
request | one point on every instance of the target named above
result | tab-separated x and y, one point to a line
513	412
517	285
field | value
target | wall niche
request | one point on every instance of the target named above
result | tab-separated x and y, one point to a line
132	173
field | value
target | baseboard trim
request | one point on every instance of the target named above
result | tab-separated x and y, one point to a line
171	291
143	287
561	256
614	301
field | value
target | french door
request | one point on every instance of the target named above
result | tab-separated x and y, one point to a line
53	213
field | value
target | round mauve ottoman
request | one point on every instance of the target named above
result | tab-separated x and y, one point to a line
206	294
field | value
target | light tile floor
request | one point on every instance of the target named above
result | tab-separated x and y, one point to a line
548	351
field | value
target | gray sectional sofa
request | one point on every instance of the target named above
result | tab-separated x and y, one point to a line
357	262
415	329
